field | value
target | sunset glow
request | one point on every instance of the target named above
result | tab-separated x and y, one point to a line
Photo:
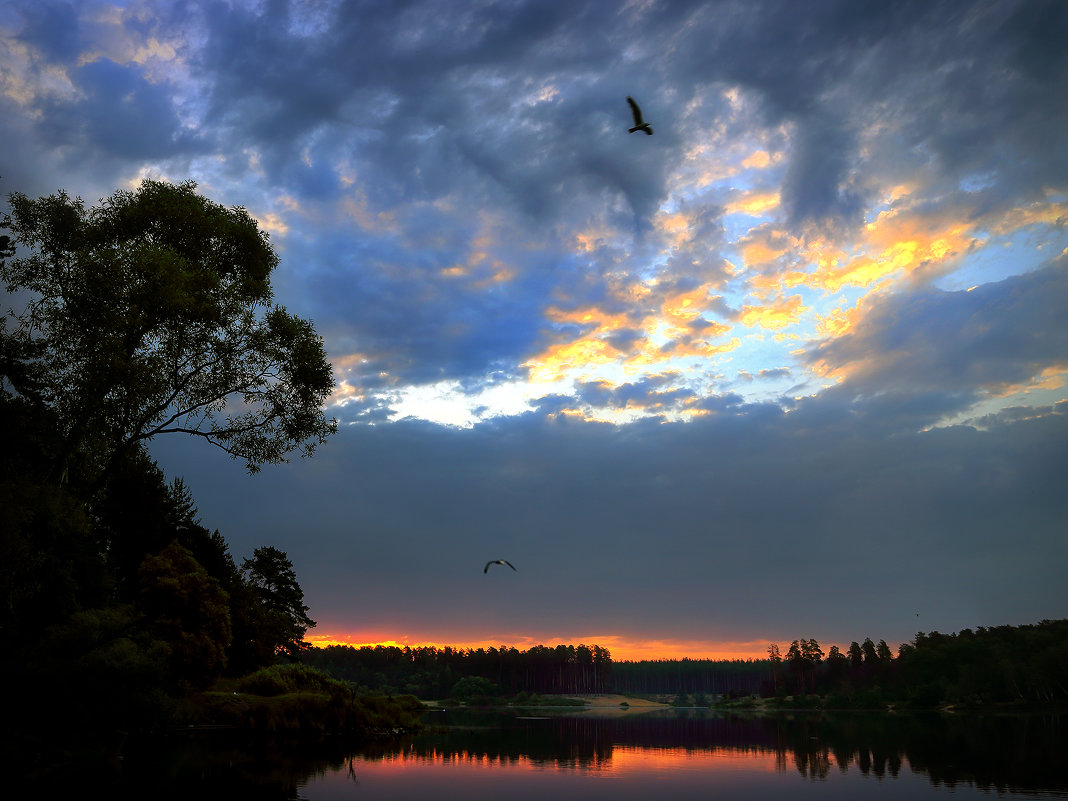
622	649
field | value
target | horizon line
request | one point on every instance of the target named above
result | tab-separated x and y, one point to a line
620	649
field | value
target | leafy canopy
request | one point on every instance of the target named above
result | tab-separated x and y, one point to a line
280	620
152	313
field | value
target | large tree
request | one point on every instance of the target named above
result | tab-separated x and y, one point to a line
152	313
274	619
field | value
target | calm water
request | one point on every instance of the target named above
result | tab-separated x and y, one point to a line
665	755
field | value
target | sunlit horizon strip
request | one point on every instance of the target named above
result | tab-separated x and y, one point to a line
621	649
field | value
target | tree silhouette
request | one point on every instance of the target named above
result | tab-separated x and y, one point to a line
152	313
278	619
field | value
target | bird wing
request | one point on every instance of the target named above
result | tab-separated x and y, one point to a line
509	564
486	568
635	109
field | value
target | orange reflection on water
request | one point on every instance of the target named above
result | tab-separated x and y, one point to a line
619	761
636	759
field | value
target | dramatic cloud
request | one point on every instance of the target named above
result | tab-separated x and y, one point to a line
792	366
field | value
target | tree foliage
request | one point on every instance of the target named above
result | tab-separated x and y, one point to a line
152	313
187	609
279	617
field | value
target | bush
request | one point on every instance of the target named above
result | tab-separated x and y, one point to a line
281	679
474	689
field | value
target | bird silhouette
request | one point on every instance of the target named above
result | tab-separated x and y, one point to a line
498	562
639	123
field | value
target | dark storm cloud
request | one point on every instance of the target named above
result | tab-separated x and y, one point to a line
431	100
394	304
519	108
957	83
54	29
650	393
120	116
816	185
112	113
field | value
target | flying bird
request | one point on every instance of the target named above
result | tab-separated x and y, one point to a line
639	123
498	562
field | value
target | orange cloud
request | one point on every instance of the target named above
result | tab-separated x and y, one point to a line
899	241
774	315
674	330
559	360
754	203
676	228
686	306
1033	214
599	321
764	246
1050	378
759	160
838	322
649	354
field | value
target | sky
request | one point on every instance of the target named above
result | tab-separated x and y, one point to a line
794	366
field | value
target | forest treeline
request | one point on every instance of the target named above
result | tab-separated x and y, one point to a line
435	673
1025	664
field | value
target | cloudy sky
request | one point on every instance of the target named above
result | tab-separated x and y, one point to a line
793	366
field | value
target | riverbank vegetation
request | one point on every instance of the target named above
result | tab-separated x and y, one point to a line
296	699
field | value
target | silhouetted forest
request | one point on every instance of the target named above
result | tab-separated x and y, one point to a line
134	319
1022	665
119	603
430	672
1001	665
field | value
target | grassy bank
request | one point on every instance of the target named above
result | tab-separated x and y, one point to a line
297	699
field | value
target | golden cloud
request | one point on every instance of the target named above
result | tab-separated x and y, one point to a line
272	222
345	393
559	360
754	203
1032	214
598	321
675	227
838	322
758	160
686	306
1050	378
764	244
774	315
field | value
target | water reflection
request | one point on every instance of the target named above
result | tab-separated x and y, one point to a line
676	754
989	752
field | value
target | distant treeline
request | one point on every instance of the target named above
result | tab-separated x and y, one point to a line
1006	664
430	672
708	677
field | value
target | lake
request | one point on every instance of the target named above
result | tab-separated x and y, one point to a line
676	754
